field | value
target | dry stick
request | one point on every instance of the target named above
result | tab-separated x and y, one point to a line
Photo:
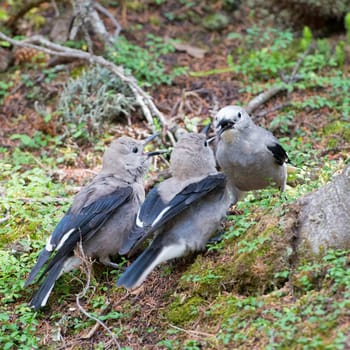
263	97
274	109
292	77
85	11
84	291
105	12
195	333
257	101
334	150
41	200
145	101
97	325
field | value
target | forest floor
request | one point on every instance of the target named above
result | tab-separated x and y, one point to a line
195	302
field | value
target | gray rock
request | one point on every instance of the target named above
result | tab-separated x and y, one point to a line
324	219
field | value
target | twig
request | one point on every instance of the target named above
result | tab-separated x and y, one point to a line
105	12
97	325
334	150
85	290
262	98
276	108
55	7
257	101
195	333
145	101
41	200
293	77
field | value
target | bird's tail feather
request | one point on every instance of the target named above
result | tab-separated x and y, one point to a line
137	272
155	254
42	259
41	296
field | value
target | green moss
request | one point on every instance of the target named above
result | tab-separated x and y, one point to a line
337	130
256	262
181	311
216	21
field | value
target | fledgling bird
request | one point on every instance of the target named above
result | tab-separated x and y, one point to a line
249	155
183	211
100	217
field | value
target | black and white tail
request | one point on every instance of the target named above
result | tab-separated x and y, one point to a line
155	254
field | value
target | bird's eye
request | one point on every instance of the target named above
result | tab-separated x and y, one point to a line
135	149
239	114
205	143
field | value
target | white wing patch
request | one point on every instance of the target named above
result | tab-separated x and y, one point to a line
49	247
64	238
139	223
160	215
44	301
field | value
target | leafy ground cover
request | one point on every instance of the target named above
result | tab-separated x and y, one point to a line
234	296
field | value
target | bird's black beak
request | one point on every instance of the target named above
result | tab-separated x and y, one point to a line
150	138
153	153
206	130
225	124
157	153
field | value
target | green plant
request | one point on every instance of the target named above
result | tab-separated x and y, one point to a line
93	99
306	38
17	329
347	26
192	345
37	141
145	64
4	87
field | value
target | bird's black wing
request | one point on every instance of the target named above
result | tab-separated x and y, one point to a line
155	212
74	227
278	153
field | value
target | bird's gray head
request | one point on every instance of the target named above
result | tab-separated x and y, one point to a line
231	118
125	156
192	157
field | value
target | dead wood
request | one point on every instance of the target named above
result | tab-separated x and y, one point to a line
145	101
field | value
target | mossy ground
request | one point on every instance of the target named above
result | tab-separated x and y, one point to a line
249	291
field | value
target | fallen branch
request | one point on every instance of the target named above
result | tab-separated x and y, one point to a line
38	200
104	11
334	150
262	98
97	325
195	333
274	109
146	103
105	311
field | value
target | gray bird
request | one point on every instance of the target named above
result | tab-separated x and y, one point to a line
183	211
250	156
100	217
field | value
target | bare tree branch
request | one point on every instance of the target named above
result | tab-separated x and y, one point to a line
146	103
262	98
104	11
